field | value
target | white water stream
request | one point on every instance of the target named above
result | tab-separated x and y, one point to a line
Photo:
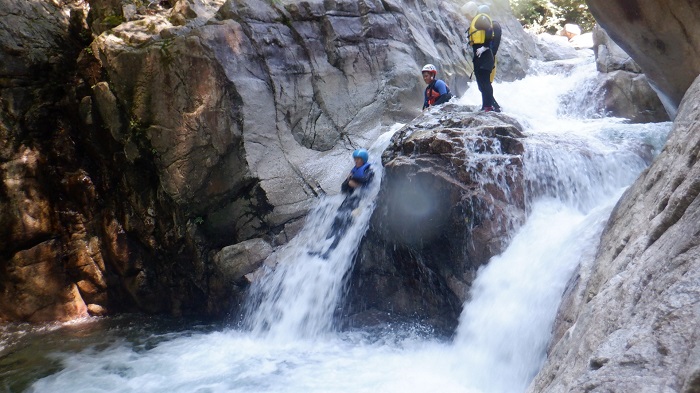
581	165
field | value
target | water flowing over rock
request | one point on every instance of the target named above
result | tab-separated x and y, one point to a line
451	195
627	95
660	36
629	320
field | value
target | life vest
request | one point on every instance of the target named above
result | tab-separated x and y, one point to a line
362	173
480	36
431	95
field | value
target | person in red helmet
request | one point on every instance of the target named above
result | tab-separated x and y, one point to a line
437	92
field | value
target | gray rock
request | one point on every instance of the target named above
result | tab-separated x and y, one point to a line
109	111
609	56
555	47
659	37
624	94
240	259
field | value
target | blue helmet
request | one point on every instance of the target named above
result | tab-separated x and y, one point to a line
362	153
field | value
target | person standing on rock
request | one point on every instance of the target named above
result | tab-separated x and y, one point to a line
437	92
360	176
480	37
494	45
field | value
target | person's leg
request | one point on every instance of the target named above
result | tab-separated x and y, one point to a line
342	221
483	81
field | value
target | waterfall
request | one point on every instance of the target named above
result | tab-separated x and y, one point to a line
298	297
575	169
577	164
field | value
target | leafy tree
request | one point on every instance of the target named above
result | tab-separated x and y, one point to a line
550	16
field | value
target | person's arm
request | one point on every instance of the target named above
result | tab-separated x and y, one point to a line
346	187
445	95
496	42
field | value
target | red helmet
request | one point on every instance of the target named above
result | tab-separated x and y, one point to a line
429	68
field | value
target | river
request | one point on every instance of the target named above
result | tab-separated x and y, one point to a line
578	163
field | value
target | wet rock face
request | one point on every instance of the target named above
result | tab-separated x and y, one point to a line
660	36
629	320
451	195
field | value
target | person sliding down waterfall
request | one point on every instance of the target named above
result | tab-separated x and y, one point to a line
359	177
480	37
437	92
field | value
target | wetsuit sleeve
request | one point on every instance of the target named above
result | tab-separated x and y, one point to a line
425	98
445	94
496	42
440	87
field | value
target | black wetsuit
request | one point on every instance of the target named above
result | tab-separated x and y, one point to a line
483	64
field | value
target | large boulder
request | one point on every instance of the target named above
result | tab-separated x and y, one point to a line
451	195
660	36
622	94
629	320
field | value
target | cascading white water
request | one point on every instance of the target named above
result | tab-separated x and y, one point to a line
297	299
576	169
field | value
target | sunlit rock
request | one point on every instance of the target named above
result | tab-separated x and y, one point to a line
555	47
36	288
570	31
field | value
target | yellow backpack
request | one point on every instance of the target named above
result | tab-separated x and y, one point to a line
477	36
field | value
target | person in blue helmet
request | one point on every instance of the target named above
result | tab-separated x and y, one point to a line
360	176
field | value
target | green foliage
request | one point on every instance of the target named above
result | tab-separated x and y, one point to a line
540	16
166	52
112	21
136	128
